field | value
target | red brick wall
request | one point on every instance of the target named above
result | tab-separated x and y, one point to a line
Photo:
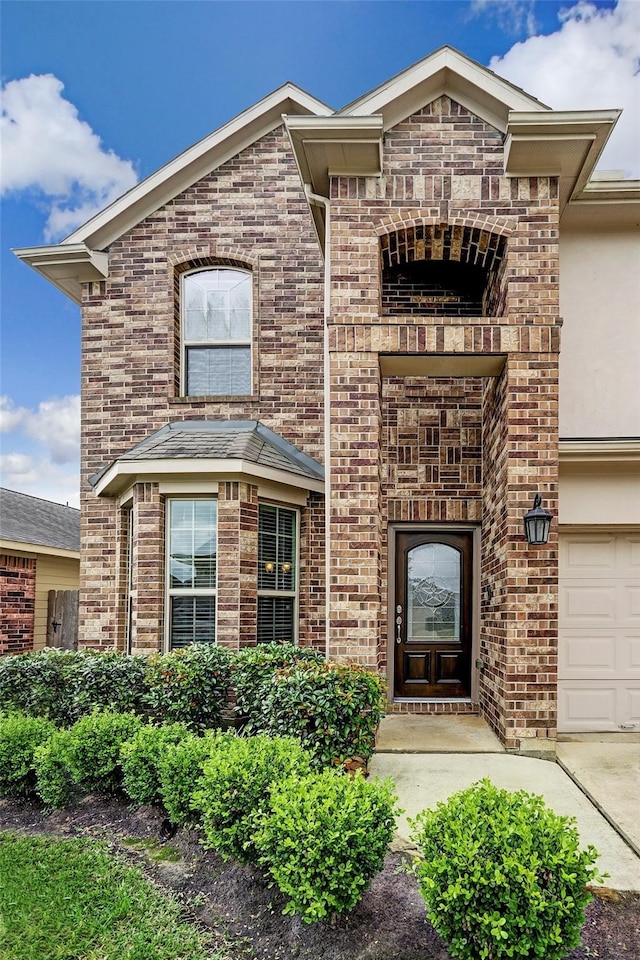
251	211
496	439
17	603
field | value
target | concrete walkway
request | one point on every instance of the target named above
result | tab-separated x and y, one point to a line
429	758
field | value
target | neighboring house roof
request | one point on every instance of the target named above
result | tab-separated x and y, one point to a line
538	142
35	522
213	448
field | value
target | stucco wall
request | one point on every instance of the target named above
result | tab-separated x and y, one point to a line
600	354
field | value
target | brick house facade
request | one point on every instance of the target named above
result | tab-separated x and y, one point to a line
399	400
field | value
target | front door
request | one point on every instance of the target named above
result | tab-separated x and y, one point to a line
432	615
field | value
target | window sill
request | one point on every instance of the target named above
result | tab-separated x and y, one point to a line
215	398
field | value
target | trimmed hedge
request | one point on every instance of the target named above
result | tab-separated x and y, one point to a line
140	759
253	673
334	709
189	685
20	737
234	790
324	838
503	875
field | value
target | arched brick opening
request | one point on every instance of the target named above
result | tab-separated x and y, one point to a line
443	270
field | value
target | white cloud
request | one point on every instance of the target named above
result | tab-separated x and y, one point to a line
55	425
49	150
40	478
43	455
514	17
592	62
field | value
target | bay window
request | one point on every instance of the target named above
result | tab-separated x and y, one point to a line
277	574
191	574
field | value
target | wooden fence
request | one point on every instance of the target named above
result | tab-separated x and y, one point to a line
62	619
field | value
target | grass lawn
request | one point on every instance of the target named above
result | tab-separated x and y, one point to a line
71	900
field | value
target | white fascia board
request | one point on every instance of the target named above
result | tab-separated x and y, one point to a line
19	546
446	71
123	473
323	146
194	163
66	266
559	143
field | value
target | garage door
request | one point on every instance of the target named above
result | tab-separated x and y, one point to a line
599	644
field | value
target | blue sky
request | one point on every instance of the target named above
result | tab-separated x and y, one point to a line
98	94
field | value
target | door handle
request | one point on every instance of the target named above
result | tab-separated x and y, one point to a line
399	624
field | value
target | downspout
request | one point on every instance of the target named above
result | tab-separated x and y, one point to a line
317	199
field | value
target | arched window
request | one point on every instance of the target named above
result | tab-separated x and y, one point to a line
216	333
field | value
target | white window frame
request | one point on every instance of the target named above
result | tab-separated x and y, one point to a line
186	344
295	593
171	592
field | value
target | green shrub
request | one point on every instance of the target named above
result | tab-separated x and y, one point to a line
95	742
19	738
52	764
180	770
235	786
109	681
503	875
40	684
253	672
325	838
333	709
189	685
140	758
86	756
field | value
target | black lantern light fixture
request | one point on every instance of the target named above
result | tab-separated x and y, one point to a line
537	523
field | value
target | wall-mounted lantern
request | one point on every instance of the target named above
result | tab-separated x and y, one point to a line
537	523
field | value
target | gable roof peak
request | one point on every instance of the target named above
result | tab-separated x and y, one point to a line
445	71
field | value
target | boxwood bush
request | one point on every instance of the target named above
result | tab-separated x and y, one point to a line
234	790
253	672
333	709
19	738
86	756
324	838
189	685
503	875
140	760
180	769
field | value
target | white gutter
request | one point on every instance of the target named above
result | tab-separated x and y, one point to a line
315	198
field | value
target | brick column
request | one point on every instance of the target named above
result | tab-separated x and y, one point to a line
520	582
17	603
355	597
147	594
237	564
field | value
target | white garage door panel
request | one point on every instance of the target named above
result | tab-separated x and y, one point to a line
597	655
598	707
599	648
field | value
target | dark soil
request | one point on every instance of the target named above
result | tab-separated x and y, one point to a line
246	915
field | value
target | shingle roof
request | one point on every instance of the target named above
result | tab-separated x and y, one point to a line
247	440
28	519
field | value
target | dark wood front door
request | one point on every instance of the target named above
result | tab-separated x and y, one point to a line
432	615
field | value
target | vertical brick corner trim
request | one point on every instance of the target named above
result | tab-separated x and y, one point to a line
17	603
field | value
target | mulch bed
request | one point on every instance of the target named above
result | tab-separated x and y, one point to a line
235	901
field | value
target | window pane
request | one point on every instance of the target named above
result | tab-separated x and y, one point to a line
193	620
192	544
276	548
275	619
217	305
218	371
434	574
